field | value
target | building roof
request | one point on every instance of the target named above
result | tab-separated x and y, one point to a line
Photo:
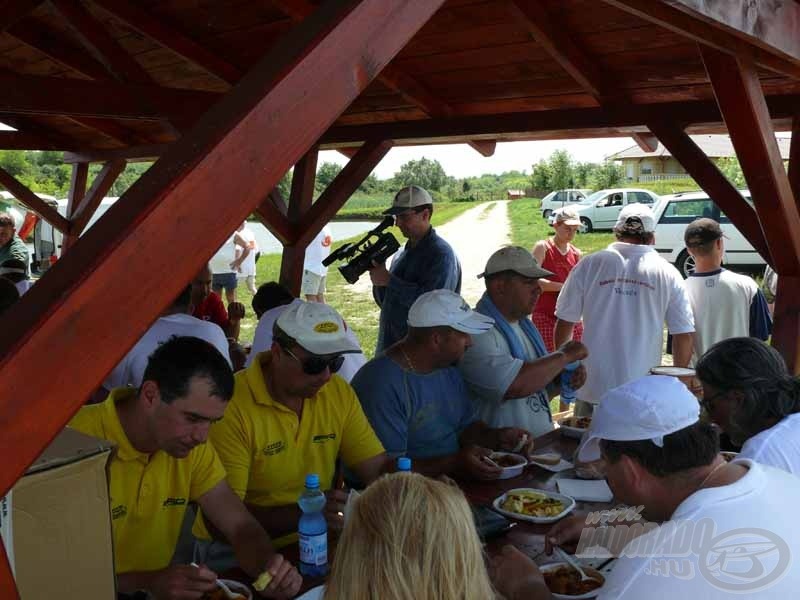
713	146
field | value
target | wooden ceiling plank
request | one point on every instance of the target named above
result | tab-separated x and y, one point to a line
146	153
12	11
171	38
32	201
238	151
100	186
97	39
113	130
28	125
743	107
18	140
392	77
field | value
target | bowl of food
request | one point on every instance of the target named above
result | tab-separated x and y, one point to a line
240	591
512	464
565	583
533	505
574	427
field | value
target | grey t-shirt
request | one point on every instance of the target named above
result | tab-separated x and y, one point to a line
489	369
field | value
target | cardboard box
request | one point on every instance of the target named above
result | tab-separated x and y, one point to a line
60	523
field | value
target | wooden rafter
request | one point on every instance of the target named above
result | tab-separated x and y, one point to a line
714	183
12	11
112	129
19	140
145	153
555	38
171	38
97	39
32	201
741	102
100	186
274	219
341	188
239	150
396	79
303	178
767	46
77	192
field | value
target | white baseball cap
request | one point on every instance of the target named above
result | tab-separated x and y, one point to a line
517	259
409	197
443	308
633	214
567	215
647	408
317	327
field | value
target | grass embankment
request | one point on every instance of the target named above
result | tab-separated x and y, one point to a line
358	309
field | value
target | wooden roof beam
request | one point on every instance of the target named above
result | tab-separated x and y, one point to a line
771	37
113	130
19	140
97	40
272	213
239	150
12	11
32	201
741	102
172	39
100	186
145	153
300	198
396	79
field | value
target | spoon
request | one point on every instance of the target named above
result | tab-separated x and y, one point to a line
487	459
220	584
572	562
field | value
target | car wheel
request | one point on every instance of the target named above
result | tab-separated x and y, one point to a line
586	225
685	264
546	214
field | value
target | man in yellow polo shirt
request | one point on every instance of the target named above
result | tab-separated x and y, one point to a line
162	464
290	415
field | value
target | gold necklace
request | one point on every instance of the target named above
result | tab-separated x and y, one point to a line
408	360
710	473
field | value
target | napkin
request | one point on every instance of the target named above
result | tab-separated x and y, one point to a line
562	465
595	490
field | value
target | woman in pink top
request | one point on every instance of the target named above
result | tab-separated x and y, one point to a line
558	255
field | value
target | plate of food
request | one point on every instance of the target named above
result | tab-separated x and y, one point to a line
574	427
565	583
512	464
240	591
534	506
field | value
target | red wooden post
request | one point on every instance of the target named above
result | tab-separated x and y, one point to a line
272	214
69	324
88	205
303	178
77	190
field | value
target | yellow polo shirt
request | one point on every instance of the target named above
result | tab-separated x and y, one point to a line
149	492
267	450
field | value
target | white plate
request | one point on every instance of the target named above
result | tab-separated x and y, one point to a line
569	430
569	505
238	588
553	566
514	471
561	465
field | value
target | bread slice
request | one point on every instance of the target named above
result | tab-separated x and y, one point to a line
550	458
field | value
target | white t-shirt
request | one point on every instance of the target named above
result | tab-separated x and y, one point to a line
489	369
221	261
130	371
262	340
317	251
764	499
721	306
623	294
248	268
778	446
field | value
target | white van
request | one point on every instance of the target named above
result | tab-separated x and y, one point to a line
47	239
675	212
600	210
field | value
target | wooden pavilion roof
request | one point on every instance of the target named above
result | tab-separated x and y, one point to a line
86	75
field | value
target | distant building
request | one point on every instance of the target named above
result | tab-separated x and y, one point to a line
515	194
655	166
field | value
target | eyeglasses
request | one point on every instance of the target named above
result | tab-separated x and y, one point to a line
314	365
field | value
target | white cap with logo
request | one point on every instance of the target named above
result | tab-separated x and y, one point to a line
443	308
633	214
409	197
317	327
517	259
647	408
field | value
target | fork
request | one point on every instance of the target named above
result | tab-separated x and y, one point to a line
571	561
221	584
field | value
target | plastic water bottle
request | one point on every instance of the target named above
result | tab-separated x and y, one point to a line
567	391
403	463
313	530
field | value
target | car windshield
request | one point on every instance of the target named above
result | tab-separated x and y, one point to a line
593	197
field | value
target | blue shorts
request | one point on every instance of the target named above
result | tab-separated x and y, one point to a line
223	280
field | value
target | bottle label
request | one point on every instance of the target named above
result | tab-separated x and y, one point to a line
314	549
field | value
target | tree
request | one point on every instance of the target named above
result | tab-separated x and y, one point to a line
424	172
729	166
326	173
583	173
561	175
540	176
607	175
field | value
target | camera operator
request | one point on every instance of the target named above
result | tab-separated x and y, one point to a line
425	263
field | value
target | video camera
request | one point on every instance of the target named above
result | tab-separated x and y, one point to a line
364	252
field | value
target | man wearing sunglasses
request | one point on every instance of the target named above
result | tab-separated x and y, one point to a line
291	415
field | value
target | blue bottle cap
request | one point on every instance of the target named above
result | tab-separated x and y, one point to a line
403	463
312	480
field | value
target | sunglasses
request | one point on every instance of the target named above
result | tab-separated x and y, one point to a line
314	365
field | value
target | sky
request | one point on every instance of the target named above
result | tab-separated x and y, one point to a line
460	160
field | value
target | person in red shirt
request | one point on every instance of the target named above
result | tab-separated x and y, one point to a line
208	305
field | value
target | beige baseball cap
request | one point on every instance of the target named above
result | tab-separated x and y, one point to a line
567	215
516	259
409	197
